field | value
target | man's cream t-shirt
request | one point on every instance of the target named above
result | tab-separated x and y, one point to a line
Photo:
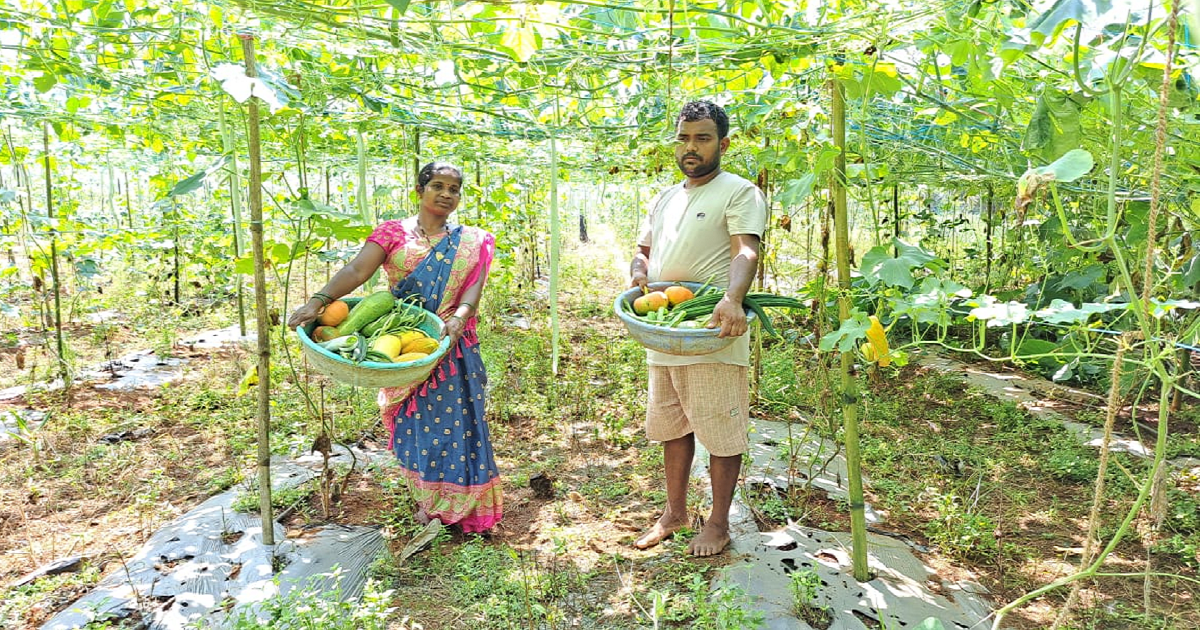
688	233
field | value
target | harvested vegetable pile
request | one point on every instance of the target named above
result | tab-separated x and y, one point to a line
677	307
379	328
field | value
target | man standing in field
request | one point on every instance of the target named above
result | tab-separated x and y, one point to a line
705	228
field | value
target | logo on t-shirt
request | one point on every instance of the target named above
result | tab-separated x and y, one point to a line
699	215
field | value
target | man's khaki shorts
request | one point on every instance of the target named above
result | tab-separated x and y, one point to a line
711	400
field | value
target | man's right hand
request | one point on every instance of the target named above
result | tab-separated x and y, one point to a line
639	280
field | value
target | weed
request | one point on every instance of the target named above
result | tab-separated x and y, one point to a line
501	587
223	480
959	531
1071	463
704	608
310	607
296	497
803	586
43	593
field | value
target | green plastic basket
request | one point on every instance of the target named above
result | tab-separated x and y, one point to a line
371	373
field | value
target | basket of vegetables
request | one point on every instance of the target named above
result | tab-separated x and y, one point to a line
670	317
376	341
657	320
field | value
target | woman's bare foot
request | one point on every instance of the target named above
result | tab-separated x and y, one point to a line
711	540
663	529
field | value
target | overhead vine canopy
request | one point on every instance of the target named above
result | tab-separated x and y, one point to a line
983	89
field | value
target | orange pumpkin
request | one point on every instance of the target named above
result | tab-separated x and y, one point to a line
334	313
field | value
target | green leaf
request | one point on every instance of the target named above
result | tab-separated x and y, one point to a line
521	42
1063	312
1162	307
1055	126
929	304
1080	280
190	184
45	82
1191	272
244	265
1071	166
847	337
186	186
879	265
930	623
1032	347
894	272
796	191
315	209
280	253
999	314
1094	15
399	5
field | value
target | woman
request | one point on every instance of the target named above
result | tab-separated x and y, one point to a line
437	428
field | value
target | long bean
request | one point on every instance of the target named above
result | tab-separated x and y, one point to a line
702	305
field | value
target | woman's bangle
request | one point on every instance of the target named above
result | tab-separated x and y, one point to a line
470	308
326	300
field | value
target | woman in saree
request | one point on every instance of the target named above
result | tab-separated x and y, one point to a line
437	428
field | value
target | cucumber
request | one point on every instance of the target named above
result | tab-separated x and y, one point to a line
377	326
366	311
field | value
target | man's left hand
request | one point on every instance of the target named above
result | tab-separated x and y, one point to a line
730	317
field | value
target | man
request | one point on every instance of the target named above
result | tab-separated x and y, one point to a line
706	228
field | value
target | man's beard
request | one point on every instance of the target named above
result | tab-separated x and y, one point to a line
701	168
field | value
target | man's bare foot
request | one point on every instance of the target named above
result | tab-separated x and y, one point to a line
711	541
662	530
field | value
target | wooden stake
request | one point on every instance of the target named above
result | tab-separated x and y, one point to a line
58	331
554	238
235	202
260	306
858	522
364	207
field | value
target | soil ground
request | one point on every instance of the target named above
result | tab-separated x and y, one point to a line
65	491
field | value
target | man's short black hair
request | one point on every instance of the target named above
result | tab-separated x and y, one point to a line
699	110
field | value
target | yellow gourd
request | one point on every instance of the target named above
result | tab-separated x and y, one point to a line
410	336
389	345
410	356
424	344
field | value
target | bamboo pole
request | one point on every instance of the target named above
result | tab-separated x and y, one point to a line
987	229
896	227
554	244
260	307
58	331
858	523
128	201
416	161
364	206
235	201
178	289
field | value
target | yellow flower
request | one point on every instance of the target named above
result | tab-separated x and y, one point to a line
878	341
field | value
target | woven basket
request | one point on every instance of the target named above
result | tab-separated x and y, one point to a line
371	373
678	341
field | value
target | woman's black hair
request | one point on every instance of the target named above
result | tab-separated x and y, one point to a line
433	168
